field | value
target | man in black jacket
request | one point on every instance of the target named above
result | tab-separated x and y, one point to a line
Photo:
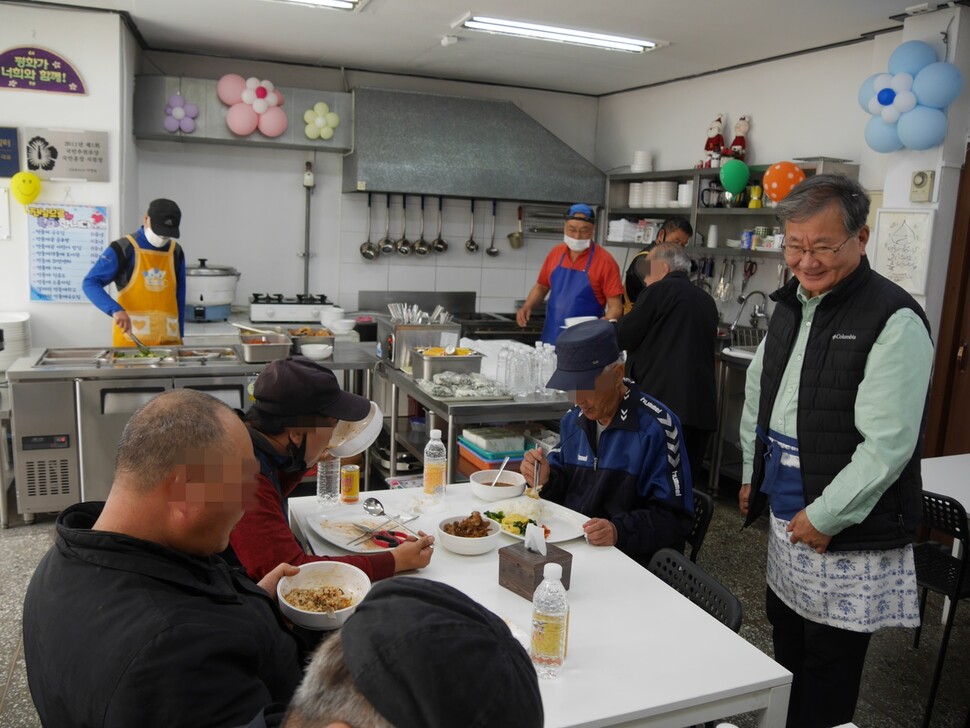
129	619
670	337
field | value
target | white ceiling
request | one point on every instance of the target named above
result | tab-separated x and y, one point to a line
404	36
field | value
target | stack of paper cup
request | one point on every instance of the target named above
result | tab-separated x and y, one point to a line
636	195
642	162
712	236
685	192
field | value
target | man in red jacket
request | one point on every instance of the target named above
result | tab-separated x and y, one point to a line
298	404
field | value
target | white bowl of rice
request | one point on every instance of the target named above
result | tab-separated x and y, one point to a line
323	595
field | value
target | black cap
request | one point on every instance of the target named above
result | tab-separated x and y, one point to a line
165	217
427	656
298	387
582	352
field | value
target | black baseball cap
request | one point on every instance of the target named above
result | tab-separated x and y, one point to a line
165	217
427	656
297	387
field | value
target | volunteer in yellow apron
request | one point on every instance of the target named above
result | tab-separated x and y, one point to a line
148	269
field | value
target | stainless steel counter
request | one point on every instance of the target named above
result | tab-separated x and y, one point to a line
732	368
456	414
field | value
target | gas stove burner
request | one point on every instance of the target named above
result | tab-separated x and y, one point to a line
317	298
267	298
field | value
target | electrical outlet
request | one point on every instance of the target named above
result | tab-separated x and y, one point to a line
921	186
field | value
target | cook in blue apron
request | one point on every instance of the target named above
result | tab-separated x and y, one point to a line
570	294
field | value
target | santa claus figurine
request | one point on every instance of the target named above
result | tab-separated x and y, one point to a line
739	147
715	140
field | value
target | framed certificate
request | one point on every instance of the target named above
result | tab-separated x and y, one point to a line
902	247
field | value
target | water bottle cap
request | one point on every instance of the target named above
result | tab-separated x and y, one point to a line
552	571
436	434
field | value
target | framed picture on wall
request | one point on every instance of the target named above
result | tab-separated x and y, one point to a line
902	247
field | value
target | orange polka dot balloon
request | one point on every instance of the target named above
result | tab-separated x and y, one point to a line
780	178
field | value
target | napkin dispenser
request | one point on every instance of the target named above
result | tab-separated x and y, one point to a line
520	570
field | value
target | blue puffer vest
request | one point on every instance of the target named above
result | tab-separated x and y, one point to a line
845	327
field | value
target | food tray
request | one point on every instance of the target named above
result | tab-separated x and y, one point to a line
133	358
484	398
489	455
425	367
258	348
203	354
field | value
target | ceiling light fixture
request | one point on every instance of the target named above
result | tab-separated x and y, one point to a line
561	35
338	4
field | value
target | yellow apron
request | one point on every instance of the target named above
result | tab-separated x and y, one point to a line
150	299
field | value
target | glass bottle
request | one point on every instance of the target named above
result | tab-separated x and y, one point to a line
435	465
550	610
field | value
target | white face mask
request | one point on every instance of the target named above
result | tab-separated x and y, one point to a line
576	245
155	240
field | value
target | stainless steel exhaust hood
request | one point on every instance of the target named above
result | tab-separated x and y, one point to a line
462	147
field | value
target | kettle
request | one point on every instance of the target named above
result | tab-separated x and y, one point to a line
712	195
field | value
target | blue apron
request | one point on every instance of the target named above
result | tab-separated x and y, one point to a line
570	294
783	475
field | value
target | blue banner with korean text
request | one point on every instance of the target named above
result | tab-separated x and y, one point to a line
9	152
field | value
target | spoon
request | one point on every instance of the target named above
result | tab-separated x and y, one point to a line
142	349
470	245
499	473
374	507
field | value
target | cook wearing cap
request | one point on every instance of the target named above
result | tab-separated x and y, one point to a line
148	270
621	460
297	405
580	277
419	654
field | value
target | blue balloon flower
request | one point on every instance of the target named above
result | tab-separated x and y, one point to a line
908	103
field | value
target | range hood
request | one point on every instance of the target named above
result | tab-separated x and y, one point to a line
455	146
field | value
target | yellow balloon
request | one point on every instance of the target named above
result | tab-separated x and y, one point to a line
326	133
309	116
321	108
25	187
312	131
333	119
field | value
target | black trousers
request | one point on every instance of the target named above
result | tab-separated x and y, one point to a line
826	663
695	441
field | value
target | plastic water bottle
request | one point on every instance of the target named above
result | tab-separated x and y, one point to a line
535	363
328	482
435	465
502	368
550	610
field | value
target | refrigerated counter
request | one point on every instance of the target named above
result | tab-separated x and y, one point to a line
70	407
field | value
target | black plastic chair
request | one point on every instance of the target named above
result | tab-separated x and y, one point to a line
938	570
703	513
697	585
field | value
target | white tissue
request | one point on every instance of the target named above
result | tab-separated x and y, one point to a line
535	539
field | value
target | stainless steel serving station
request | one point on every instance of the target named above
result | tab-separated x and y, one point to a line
457	414
70	406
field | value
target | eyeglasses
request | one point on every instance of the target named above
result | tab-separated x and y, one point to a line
821	252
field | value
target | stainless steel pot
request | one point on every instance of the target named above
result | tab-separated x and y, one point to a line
210	285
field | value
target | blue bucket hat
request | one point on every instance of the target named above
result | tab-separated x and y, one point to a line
582	352
582	212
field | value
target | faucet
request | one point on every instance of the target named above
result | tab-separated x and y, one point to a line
758	312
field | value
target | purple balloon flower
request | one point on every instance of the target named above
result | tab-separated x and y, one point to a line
180	115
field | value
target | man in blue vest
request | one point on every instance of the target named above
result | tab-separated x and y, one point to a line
832	437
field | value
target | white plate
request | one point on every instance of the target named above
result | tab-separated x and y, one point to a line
340	531
563	524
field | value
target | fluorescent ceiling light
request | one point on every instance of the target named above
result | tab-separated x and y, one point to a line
562	35
340	4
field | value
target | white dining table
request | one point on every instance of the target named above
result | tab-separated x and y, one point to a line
639	653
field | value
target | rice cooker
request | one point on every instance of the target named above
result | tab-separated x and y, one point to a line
209	291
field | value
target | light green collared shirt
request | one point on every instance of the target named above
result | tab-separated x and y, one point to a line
888	410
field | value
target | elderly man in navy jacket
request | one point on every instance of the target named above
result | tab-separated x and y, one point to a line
620	458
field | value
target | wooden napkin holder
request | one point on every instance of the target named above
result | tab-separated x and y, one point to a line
520	570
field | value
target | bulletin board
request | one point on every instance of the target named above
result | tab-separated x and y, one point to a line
902	247
64	242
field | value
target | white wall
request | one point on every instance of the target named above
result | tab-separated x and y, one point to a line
93	43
